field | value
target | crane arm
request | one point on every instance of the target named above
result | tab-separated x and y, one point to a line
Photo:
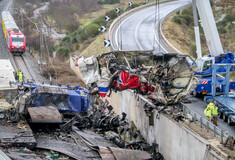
209	27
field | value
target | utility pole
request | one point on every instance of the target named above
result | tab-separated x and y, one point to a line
42	48
22	19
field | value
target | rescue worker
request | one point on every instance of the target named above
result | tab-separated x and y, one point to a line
99	30
215	114
207	112
211	105
20	77
17	74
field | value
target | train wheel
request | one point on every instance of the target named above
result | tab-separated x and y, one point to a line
229	121
225	118
221	115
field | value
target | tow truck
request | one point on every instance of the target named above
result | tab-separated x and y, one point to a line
217	55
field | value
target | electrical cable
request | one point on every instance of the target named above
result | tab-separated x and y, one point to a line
49	57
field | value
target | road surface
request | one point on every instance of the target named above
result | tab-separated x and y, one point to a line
139	31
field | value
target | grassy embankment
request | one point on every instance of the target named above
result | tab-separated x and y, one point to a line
83	38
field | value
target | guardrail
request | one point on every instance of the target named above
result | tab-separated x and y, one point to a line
161	32
203	122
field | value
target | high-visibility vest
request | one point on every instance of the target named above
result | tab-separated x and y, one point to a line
210	105
215	111
207	112
18	72
20	77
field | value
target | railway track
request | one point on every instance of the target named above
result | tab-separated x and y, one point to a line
25	68
18	62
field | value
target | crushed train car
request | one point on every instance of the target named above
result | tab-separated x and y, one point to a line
43	101
165	78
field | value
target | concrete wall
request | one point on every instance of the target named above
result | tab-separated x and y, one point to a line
175	141
8	93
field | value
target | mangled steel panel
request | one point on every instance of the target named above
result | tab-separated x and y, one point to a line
165	78
18	154
94	138
72	150
44	114
3	155
65	98
110	153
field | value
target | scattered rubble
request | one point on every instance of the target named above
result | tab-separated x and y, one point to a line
164	78
70	127
16	134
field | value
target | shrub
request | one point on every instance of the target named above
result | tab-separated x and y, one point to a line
221	29
76	46
63	52
72	27
74	40
212	3
99	21
193	50
187	11
178	12
177	19
66	39
112	14
135	5
91	30
108	1
229	18
188	19
52	49
82	36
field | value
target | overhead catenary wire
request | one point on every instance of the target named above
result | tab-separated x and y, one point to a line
43	38
49	57
21	9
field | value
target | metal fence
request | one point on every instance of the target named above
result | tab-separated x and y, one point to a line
203	122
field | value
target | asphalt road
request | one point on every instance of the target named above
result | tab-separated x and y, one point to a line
139	31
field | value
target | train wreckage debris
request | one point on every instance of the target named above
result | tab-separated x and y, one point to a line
164	78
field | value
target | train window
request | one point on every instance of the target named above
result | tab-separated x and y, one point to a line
17	39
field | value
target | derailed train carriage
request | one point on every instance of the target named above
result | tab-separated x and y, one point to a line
164	78
15	39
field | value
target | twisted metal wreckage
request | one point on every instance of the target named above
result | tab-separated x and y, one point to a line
164	78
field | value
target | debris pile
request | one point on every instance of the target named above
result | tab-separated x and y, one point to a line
103	120
164	78
39	126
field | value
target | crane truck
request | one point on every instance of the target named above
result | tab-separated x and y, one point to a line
225	100
217	55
